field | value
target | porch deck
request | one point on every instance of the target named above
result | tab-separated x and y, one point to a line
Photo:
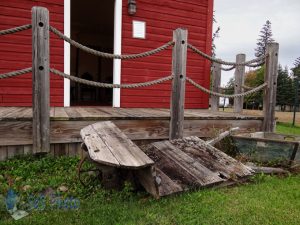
136	123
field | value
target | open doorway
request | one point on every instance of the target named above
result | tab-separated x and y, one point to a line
92	24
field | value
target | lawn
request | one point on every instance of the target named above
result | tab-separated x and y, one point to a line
263	200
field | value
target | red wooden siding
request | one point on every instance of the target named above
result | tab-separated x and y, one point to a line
15	51
161	18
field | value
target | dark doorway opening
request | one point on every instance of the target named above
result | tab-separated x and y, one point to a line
92	24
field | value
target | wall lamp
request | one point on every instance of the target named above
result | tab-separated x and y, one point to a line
131	7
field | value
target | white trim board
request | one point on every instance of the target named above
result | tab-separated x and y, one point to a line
117	50
67	51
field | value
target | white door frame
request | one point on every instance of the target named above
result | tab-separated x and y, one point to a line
117	50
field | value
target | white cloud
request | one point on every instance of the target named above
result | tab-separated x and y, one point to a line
242	20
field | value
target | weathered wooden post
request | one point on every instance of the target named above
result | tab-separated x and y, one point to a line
40	80
239	76
179	56
271	74
216	82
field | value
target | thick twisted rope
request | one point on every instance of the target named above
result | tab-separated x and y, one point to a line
228	69
247	63
108	55
105	85
15	29
247	87
258	88
257	64
15	73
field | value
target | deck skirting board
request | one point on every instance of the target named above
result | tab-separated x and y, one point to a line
19	132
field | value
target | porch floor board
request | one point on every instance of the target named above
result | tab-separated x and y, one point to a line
109	113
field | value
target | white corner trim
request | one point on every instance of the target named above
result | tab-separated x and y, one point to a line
117	50
67	51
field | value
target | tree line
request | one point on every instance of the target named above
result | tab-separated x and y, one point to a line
286	83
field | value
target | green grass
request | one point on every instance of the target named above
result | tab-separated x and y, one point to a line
286	128
265	200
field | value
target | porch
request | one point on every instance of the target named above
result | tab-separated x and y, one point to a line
139	124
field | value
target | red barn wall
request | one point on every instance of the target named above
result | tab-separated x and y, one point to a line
15	51
161	18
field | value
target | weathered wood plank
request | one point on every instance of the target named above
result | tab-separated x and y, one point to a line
98	150
3	153
189	167
72	149
13	151
147	178
216	76
212	158
179	55
69	131
72	113
60	114
123	149
40	79
271	74
167	186
239	76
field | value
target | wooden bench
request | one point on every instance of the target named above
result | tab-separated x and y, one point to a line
112	150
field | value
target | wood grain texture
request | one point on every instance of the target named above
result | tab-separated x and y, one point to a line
271	74
216	82
179	56
69	131
186	165
41	81
239	76
108	145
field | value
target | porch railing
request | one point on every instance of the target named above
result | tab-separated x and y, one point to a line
41	69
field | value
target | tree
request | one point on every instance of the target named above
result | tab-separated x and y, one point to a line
254	78
285	88
296	68
264	38
215	35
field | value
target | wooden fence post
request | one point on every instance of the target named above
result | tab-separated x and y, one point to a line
271	74
239	77
216	82
179	56
40	80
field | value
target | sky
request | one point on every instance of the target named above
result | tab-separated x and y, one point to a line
241	21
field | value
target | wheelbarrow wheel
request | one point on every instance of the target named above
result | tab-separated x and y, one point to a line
88	174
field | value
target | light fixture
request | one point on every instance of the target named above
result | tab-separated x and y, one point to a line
131	7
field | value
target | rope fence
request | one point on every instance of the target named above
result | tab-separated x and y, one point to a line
15	73
220	61
251	63
41	71
258	88
106	85
228	69
15	29
108	55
